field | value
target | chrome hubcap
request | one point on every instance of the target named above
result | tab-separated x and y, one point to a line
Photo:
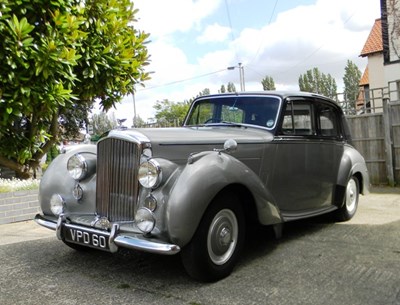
222	237
351	195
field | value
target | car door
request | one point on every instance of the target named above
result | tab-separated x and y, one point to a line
307	158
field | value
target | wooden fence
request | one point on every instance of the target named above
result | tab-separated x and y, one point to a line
377	136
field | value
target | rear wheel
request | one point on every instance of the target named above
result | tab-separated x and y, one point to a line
214	249
349	208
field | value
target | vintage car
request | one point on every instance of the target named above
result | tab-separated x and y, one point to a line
239	159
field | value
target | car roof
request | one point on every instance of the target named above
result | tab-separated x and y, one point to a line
282	94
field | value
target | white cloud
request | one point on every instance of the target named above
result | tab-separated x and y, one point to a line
160	18
214	33
324	35
168	63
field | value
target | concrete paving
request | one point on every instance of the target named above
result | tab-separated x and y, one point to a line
315	262
23	231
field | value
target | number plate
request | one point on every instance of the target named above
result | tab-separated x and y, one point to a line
86	237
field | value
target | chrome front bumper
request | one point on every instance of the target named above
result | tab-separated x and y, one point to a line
115	237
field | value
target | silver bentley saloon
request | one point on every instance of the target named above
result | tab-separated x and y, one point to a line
245	158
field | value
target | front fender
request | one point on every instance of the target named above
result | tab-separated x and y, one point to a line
57	180
197	185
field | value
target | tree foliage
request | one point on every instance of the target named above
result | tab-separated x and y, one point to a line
230	87
138	122
315	81
205	91
102	122
168	111
351	82
268	83
58	57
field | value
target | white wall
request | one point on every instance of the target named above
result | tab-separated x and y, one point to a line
376	71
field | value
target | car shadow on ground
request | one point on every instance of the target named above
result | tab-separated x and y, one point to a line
260	241
130	265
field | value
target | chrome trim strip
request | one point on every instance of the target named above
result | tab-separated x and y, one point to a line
129	135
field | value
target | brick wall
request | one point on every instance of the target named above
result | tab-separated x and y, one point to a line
18	206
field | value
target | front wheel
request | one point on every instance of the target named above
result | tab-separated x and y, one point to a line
349	208
214	249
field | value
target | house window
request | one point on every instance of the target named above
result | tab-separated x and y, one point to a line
398	89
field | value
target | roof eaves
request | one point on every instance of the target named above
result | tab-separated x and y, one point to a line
374	41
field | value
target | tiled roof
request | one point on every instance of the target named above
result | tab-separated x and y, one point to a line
374	41
365	78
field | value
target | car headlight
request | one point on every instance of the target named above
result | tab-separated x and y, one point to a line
77	166
149	174
144	220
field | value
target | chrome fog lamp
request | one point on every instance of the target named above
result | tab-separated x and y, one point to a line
57	204
149	174
150	202
77	166
77	192
144	220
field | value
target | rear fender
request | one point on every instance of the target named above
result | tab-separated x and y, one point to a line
352	163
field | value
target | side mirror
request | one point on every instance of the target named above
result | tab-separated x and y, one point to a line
230	145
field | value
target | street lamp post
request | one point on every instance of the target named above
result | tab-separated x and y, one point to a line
241	75
134	108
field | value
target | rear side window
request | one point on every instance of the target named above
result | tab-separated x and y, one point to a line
297	119
327	121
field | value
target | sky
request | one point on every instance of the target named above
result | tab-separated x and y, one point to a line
192	42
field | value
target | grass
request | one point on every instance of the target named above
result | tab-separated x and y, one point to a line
13	185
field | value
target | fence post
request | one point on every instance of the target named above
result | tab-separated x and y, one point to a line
388	142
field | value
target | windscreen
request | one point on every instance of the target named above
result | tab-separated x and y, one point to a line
254	110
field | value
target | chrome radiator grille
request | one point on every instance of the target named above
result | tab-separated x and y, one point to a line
116	184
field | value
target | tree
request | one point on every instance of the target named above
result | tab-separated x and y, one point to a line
231	87
315	81
138	122
57	58
351	82
205	91
102	123
268	83
168	111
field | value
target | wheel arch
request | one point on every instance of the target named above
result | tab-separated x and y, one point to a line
200	183
246	200
352	164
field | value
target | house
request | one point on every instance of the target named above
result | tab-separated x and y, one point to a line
381	78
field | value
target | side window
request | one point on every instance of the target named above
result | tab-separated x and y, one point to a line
297	119
203	112
327	121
